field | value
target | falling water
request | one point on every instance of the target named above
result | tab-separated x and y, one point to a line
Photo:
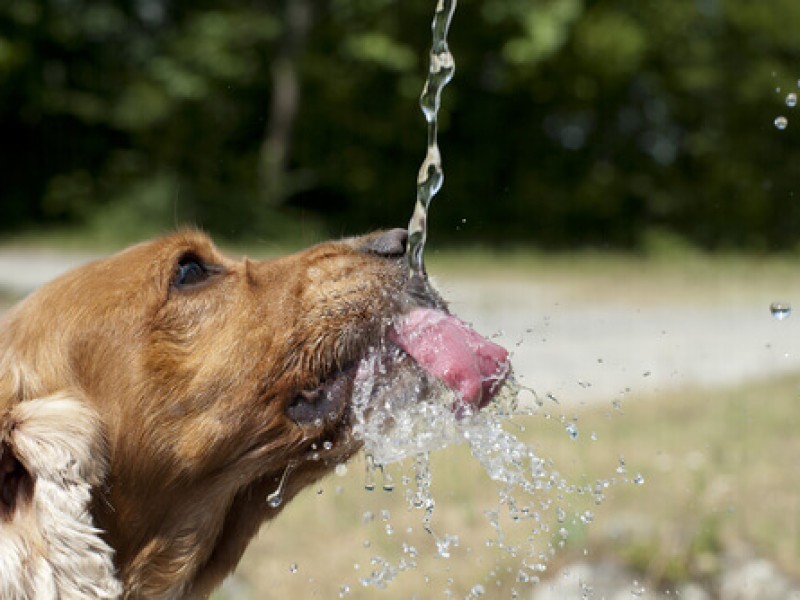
430	177
397	418
275	499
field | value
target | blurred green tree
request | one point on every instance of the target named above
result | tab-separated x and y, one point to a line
610	123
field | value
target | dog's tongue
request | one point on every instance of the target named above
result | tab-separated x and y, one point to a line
448	349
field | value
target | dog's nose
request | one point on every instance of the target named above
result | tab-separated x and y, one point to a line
391	243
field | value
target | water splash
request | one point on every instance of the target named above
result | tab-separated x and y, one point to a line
431	176
411	420
399	414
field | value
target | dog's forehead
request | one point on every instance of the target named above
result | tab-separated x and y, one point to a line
175	244
156	259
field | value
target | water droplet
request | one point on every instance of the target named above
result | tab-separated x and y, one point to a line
587	517
368	517
477	591
293	568
780	310
327	445
344	591
572	430
638	479
791	100
275	499
552	398
388	481
781	122
341	470
369	473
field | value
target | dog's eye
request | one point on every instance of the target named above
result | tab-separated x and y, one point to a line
190	271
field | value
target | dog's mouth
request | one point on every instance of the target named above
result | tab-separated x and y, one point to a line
325	404
422	344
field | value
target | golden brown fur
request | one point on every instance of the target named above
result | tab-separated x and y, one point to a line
172	402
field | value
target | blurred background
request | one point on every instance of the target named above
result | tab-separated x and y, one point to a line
572	123
619	210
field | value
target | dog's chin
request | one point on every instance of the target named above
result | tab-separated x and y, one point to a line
324	406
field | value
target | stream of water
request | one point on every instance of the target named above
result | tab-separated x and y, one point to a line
405	419
431	176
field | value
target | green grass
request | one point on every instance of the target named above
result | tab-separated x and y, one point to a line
720	470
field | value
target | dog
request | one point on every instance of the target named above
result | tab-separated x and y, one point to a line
152	401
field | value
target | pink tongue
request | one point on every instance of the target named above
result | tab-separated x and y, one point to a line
448	349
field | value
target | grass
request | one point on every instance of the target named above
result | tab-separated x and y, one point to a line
720	474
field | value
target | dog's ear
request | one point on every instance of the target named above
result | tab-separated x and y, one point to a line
52	455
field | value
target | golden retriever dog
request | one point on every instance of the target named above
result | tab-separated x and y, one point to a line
152	401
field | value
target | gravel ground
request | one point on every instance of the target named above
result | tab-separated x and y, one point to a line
579	351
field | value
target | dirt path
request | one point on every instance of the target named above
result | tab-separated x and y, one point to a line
586	351
578	350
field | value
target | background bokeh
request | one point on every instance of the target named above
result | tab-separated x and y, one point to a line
631	210
571	123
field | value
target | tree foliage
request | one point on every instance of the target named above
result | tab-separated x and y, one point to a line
569	123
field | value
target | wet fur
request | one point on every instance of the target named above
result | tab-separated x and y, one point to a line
150	421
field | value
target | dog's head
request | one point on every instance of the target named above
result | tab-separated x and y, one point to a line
163	393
